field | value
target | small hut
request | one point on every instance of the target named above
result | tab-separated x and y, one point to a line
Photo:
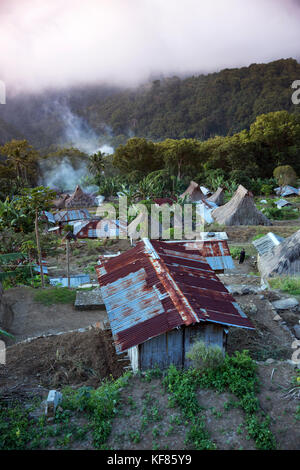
80	199
193	193
286	191
265	244
159	304
60	203
282	260
217	197
240	210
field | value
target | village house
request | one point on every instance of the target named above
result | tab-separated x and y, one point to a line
159	302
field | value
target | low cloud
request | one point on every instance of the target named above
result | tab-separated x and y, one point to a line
57	43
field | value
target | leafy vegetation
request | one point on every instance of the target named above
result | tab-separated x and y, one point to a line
286	284
204	357
235	252
236	374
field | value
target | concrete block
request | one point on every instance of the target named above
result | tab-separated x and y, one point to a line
53	400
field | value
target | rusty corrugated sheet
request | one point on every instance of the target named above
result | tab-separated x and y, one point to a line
151	289
216	252
67	216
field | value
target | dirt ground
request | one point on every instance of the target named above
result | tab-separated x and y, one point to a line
243	233
70	359
275	379
33	319
268	340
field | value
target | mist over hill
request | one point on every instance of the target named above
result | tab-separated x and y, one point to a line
201	107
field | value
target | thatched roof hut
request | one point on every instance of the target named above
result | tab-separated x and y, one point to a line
80	199
193	193
217	197
60	203
282	260
240	210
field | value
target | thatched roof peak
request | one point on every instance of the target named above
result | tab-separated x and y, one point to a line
193	192
240	210
217	197
79	198
283	259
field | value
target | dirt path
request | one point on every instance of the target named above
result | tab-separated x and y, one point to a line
33	319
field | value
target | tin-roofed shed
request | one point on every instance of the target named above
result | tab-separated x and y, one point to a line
159	303
265	244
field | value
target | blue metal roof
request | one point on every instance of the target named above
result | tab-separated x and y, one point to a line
67	216
75	281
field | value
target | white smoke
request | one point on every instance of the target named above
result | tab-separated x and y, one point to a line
63	174
78	133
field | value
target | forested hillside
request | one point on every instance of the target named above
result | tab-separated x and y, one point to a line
200	106
196	107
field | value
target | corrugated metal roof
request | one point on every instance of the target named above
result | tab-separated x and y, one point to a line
204	236
282	203
67	216
286	191
49	216
265	244
75	281
164	200
151	289
216	252
78	225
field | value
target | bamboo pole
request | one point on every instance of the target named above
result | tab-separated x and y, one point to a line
39	248
68	260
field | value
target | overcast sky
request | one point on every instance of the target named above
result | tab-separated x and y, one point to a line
68	42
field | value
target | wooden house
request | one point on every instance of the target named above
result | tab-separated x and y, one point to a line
160	302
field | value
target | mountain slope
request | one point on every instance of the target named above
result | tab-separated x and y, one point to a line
200	107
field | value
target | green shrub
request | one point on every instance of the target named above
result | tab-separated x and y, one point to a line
286	284
266	189
205	357
280	214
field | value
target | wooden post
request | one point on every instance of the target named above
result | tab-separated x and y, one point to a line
39	247
68	260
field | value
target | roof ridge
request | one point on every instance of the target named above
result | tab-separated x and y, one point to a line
162	273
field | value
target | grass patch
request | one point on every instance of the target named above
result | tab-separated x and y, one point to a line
291	285
55	295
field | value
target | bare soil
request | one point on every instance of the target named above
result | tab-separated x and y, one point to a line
33	319
69	359
268	340
275	379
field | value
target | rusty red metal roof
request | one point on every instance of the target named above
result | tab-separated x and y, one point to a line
150	290
164	200
216	252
